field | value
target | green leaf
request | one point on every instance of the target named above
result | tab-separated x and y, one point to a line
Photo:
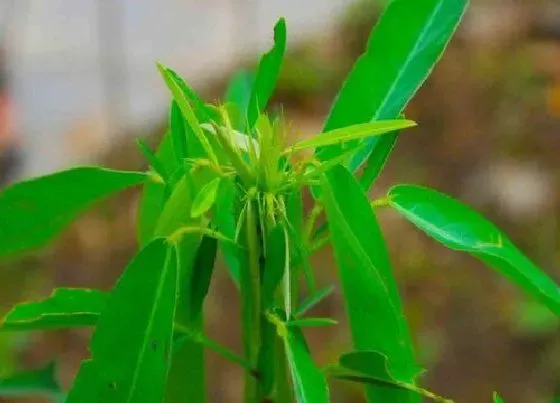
154	193
34	211
198	144
153	160
205	198
267	74
497	398
372	367
313	300
178	133
309	382
369	289
226	216
132	341
274	265
39	382
65	308
458	227
239	93
401	52
312	322
351	133
176	213
187	361
202	273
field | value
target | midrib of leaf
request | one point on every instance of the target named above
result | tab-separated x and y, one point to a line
364	258
150	323
411	55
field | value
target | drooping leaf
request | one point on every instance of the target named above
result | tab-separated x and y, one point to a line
401	52
351	133
458	227
31	383
497	398
130	349
372	367
34	211
313	300
267	74
369	289
205	198
65	308
312	322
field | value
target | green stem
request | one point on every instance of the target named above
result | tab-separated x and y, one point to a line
252	331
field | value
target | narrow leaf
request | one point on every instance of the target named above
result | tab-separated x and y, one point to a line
34	211
205	198
312	322
130	349
65	308
369	289
31	383
402	49
267	74
313	300
458	227
351	133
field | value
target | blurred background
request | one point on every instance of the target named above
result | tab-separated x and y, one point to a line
78	83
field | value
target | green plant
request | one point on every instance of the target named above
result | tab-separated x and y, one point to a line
223	180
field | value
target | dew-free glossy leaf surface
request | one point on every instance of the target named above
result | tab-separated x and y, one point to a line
371	296
131	346
458	227
34	211
408	40
65	308
351	133
31	383
267	74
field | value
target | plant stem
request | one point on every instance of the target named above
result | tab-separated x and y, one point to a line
253	327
